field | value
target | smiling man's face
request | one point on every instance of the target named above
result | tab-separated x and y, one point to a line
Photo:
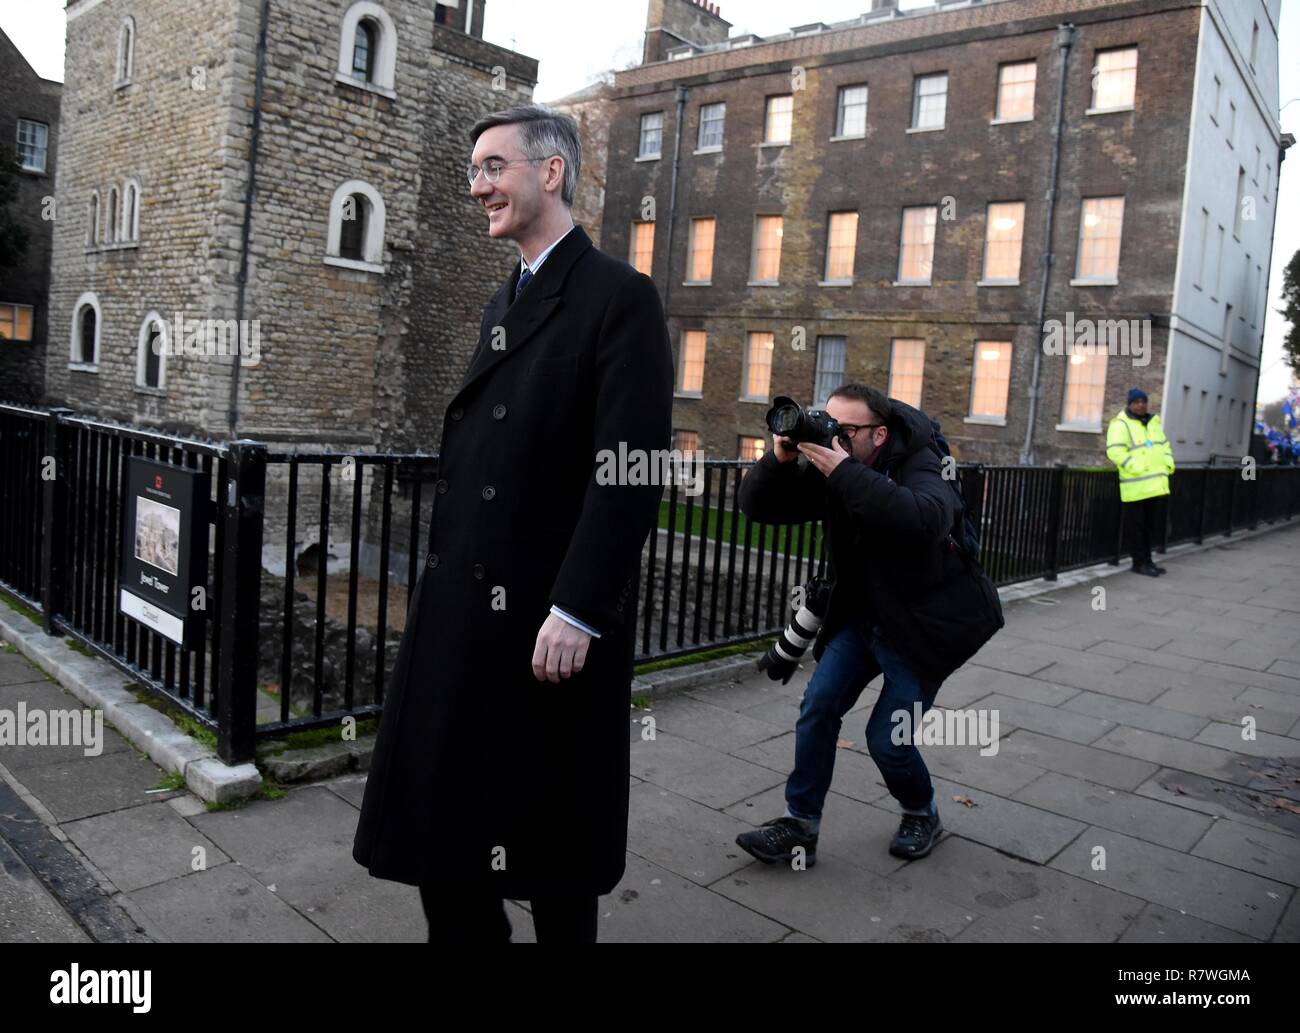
514	201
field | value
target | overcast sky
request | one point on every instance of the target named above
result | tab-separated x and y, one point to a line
576	40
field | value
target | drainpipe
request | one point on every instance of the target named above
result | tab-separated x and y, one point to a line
232	410
1064	40
672	192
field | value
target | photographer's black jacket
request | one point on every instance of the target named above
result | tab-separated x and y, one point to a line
885	526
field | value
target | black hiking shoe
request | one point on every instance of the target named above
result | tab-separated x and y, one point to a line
776	840
916	836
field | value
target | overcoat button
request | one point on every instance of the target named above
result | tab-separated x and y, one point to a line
457	413
433	559
442	487
498	412
489	493
479	571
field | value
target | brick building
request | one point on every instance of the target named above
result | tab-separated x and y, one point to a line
29	141
884	200
367	263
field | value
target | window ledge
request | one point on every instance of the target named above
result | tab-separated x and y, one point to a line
853	136
834	283
360	84
997	283
688	394
121	84
775	143
352	263
697	283
912	283
763	283
1108	111
155	392
927	129
1077	282
1079	428
648	157
1010	121
120	245
31	171
756	401
708	150
84	367
987	421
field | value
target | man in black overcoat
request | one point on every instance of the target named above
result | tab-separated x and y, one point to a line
501	765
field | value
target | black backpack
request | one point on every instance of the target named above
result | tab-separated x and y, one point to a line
964	533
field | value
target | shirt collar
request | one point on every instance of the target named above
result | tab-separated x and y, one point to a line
537	262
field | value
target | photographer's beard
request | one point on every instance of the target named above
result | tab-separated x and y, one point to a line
865	450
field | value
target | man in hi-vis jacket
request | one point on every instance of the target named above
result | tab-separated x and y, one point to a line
1136	444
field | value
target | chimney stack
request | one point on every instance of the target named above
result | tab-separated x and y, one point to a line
676	23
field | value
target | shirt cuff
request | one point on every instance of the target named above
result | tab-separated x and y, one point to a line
575	622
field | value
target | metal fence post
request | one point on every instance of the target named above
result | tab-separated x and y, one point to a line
1205	494
1232	504
54	531
243	503
1056	500
1119	531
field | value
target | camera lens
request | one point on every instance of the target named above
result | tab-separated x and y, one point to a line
784	420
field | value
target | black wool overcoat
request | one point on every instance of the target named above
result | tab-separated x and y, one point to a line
482	775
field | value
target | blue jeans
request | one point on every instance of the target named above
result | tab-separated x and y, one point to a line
852	658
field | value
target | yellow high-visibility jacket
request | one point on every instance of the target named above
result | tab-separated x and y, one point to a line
1142	455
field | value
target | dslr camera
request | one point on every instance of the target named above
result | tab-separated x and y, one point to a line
788	419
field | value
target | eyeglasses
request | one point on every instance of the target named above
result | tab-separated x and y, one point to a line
851	429
493	168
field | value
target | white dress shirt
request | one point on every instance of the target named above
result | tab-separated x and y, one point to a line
537	264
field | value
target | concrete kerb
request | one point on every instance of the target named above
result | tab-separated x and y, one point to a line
98	685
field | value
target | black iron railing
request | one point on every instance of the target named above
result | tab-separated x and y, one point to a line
311	559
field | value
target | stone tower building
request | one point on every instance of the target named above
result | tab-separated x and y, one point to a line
281	179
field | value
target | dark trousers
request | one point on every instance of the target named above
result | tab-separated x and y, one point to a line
1146	515
457	915
852	658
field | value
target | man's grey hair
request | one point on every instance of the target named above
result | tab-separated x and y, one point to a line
543	132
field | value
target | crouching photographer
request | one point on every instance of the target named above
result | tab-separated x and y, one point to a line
907	597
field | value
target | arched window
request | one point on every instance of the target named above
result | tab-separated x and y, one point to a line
92	231
86	329
131	210
367	48
151	356
125	52
363	50
355	238
352	236
111	217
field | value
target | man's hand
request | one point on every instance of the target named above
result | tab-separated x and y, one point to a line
561	650
825	459
784	449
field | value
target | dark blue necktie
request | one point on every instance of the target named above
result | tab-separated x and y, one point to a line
524	277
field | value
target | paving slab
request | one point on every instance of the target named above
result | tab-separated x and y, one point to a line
1204	889
705	775
1175	827
1102	766
139	846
